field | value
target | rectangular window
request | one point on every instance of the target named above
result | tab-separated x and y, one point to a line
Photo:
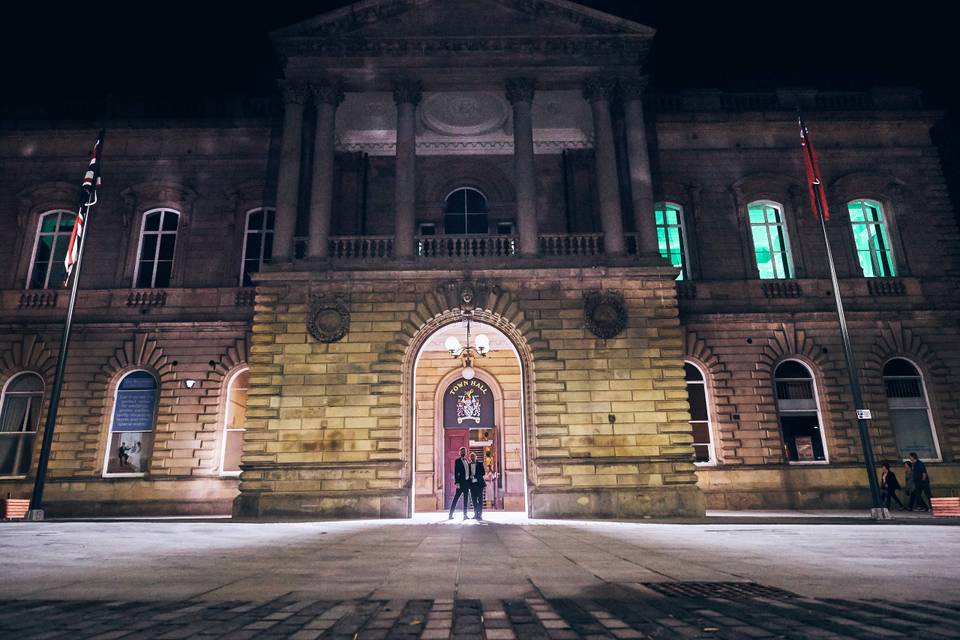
670	235
770	244
871	238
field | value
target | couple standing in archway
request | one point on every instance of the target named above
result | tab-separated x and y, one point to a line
470	476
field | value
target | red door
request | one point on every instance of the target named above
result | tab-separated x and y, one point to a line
453	439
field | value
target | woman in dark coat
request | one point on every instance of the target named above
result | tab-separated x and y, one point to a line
888	486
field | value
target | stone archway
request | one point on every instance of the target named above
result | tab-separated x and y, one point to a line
497	437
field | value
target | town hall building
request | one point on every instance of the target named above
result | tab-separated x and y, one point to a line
469	224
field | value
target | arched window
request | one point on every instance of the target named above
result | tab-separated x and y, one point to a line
19	415
258	243
799	413
465	212
771	246
671	235
703	451
872	238
131	430
53	236
910	416
158	239
234	424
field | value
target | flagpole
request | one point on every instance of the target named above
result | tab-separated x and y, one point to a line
878	512
36	500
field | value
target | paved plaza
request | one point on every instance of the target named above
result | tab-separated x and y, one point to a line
507	578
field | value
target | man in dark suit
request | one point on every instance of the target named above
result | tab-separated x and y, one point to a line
460	478
475	477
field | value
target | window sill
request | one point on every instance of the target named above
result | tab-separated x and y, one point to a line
108	476
230	474
807	463
23	477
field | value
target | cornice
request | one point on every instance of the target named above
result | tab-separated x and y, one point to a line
491	147
626	46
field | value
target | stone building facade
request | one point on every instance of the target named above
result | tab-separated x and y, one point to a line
268	297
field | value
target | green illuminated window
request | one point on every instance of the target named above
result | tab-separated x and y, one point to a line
670	236
771	248
872	239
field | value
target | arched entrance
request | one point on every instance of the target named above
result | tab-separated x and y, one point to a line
483	412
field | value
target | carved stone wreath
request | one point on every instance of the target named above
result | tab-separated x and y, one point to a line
605	313
329	319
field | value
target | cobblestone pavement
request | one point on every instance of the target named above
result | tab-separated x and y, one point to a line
653	615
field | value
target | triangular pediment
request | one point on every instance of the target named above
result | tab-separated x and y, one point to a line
391	19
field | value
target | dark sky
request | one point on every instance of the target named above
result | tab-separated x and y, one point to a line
150	47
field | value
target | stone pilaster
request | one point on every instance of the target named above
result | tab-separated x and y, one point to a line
294	95
327	95
598	91
406	94
520	94
641	186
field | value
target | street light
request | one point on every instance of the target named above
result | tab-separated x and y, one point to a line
467	352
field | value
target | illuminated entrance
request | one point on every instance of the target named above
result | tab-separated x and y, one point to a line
483	413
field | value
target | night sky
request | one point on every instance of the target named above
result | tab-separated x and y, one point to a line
148	48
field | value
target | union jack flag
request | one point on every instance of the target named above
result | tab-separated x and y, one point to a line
91	182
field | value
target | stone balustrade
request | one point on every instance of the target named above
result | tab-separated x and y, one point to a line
361	247
571	244
465	246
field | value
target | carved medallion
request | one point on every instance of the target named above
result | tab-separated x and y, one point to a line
605	313
461	114
329	319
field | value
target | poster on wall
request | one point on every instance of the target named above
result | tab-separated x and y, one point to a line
129	451
805	449
468	403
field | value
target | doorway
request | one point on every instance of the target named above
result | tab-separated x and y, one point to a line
482	412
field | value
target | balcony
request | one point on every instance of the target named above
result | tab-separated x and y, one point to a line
370	251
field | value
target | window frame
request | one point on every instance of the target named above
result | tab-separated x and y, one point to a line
4	395
787	250
711	445
36	245
819	412
113	415
682	226
226	421
926	399
884	224
246	232
466	213
159	233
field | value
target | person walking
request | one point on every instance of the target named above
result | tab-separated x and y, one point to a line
888	486
921	483
460	479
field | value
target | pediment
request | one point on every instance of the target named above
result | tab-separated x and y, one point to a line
472	19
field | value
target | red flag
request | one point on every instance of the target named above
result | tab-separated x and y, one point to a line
814	177
91	181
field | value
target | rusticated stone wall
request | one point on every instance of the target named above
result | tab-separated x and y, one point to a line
329	425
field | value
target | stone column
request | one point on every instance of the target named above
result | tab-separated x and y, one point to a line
406	93
520	95
599	91
641	185
294	94
327	95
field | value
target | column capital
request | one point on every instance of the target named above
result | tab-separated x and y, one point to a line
596	88
327	91
407	90
520	90
632	87
293	91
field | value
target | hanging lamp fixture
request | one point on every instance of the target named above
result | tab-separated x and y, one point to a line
467	352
